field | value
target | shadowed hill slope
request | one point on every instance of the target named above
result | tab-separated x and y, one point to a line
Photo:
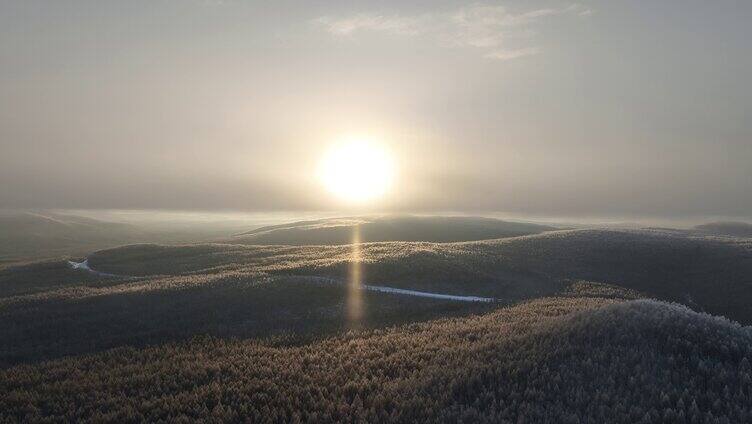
42	276
704	272
34	235
551	360
401	228
259	291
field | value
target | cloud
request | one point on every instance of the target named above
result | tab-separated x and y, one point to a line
370	22
478	26
579	9
510	54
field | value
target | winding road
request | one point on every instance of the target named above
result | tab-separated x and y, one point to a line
84	266
406	292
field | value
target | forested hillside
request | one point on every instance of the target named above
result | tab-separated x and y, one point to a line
567	360
227	332
50	310
707	273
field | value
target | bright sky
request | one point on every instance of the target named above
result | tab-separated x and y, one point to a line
527	107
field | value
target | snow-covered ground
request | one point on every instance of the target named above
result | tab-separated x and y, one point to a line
85	267
392	290
80	265
428	294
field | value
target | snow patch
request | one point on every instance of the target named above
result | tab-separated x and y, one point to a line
405	292
384	289
84	266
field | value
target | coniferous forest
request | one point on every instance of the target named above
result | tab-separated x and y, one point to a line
580	326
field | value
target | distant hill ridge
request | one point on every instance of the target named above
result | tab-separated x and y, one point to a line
38	234
728	228
437	229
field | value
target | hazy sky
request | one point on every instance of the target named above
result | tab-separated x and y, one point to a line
551	107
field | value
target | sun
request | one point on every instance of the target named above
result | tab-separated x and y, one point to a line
357	170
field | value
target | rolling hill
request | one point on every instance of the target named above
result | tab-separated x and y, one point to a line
439	229
566	360
704	272
224	331
44	234
734	229
171	293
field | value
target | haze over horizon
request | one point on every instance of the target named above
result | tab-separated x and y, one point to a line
544	108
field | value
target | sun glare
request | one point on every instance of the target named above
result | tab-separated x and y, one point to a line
357	171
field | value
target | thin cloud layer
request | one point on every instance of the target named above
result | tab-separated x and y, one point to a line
510	54
371	22
526	109
483	27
